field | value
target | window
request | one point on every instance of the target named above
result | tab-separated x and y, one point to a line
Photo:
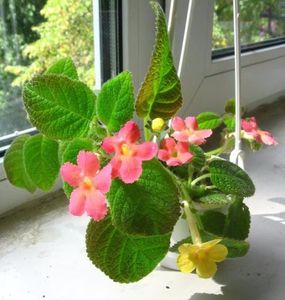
33	35
262	25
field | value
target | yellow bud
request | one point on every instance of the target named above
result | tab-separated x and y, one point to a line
157	124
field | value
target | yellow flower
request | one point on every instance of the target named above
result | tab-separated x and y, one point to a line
202	257
157	124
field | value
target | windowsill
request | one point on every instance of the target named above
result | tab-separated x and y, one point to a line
226	64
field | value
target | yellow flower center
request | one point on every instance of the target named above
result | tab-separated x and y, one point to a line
157	124
87	183
126	150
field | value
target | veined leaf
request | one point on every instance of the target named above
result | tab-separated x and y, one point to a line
115	103
231	179
213	221
160	94
149	206
61	108
198	161
64	66
41	161
14	165
124	258
209	120
238	221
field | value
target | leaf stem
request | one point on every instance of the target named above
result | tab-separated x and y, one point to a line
190	216
200	178
216	151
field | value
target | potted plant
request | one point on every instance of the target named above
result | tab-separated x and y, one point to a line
136	190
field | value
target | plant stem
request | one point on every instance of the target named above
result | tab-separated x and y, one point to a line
191	220
190	217
216	151
200	178
147	133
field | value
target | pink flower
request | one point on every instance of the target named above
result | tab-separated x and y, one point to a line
187	131
90	184
127	162
251	128
174	154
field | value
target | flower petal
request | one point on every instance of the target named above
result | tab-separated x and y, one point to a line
168	144
130	170
185	264
77	202
96	205
191	123
146	151
70	173
185	248
267	138
185	157
163	155
180	136
130	132
211	243
177	124
109	144
206	268
102	180
218	253
198	137
173	162
88	163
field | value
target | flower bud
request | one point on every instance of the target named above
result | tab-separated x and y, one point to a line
157	124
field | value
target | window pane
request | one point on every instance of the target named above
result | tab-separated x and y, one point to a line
261	21
33	35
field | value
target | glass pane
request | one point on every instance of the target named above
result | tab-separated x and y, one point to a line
33	35
260	21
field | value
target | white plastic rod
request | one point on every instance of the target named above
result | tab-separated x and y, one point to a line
186	35
171	19
237	154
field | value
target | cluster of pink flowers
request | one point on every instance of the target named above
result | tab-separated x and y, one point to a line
252	131
91	184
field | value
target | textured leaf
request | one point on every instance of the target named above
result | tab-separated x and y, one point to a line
59	107
149	206
238	221
236	248
215	198
115	103
229	121
41	161
64	66
69	153
230	106
213	221
124	258
160	93
198	161
14	165
209	120
231	179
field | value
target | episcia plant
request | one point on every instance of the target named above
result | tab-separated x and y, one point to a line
135	191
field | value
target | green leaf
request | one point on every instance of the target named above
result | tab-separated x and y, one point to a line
229	121
236	248
124	258
199	159
230	106
61	108
41	161
14	165
238	221
213	221
231	179
215	199
64	66
69	153
209	120
115	103
149	206
160	94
